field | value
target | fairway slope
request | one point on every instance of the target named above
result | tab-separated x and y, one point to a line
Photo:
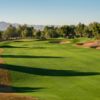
50	71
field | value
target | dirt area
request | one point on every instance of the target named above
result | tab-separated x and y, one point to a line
9	96
4	75
5	89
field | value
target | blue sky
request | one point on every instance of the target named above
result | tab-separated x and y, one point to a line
48	12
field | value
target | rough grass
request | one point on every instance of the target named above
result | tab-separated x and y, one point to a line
7	91
53	71
9	96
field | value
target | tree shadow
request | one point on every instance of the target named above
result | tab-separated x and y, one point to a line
14	47
26	56
9	46
19	41
38	47
22	41
12	89
46	72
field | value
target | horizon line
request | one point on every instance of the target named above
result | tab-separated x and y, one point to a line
86	23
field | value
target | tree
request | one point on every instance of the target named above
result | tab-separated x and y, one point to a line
30	32
64	30
26	31
71	33
1	33
38	34
50	32
80	29
88	32
10	33
95	29
68	31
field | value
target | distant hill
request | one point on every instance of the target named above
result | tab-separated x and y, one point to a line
38	27
4	25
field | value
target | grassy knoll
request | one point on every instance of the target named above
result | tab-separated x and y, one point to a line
52	71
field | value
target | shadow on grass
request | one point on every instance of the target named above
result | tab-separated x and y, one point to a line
46	72
9	46
22	56
23	41
12	89
14	47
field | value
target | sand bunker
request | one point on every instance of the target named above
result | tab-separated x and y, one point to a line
64	42
91	44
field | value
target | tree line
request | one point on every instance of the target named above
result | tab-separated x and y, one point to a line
67	31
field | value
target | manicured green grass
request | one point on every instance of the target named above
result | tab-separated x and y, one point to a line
53	71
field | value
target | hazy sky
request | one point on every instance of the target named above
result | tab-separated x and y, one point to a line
49	12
